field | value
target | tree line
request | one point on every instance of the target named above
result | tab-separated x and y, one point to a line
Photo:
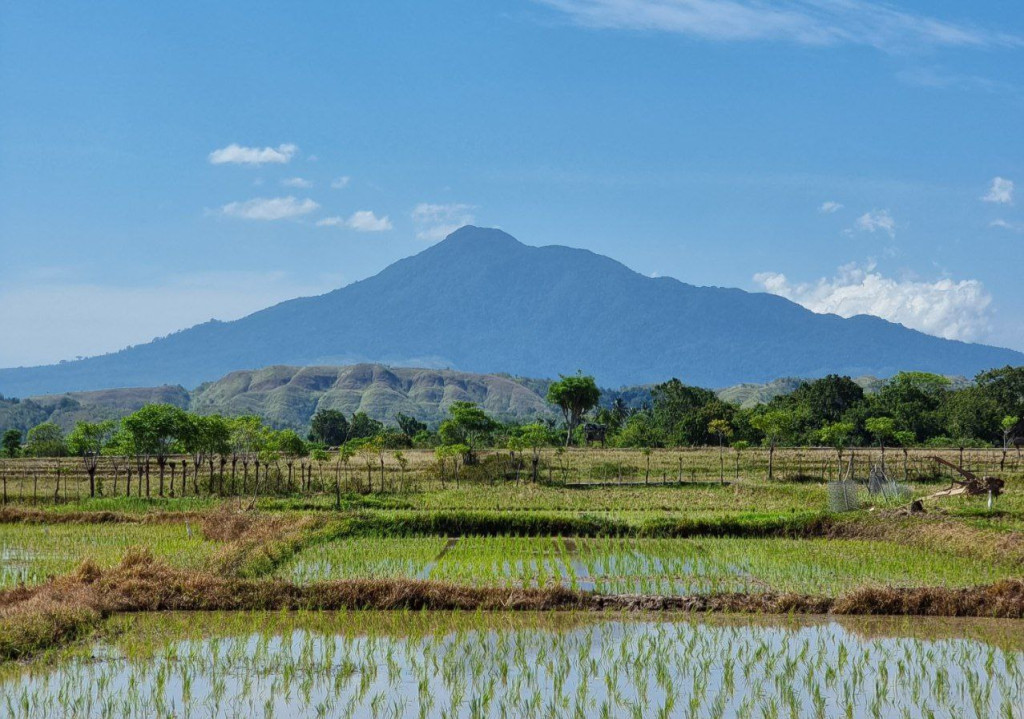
910	409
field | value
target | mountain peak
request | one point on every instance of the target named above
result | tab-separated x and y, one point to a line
471	234
481	301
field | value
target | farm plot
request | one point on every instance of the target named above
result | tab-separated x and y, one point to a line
29	553
647	566
490	665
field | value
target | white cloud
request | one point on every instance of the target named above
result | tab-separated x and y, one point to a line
435	222
945	308
237	155
805	22
827	208
361	221
876	220
1011	226
60	320
366	221
340	183
299	182
269	208
1000	192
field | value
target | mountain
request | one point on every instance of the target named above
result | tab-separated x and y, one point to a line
481	301
290	396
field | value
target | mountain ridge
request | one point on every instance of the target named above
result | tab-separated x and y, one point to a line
480	301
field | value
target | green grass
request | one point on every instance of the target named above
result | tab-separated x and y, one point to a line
31	553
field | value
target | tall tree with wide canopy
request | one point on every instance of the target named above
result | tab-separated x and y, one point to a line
575	395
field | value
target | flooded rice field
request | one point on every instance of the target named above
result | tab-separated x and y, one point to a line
422	664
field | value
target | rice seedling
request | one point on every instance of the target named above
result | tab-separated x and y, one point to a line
476	664
31	553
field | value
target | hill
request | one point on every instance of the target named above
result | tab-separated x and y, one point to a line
67	409
289	396
481	301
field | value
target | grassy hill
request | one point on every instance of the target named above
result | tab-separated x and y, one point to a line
289	396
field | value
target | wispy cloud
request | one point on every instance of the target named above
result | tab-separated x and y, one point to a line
945	308
298	182
269	208
237	155
875	221
939	79
435	222
829	207
1017	227
340	183
361	221
1000	192
806	22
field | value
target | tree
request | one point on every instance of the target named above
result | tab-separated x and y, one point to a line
12	442
154	429
826	399
362	426
410	426
640	431
969	414
468	425
1006	387
836	435
329	427
291	446
575	395
776	425
882	429
679	412
87	440
46	440
912	400
535	436
202	437
721	429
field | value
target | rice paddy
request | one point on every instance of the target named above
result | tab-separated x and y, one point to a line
494	665
30	553
104	639
677	567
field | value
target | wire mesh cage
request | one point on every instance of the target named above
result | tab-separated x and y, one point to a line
884	488
843	496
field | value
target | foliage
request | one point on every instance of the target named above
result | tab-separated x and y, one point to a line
11	443
329	427
90	437
468	425
46	440
574	395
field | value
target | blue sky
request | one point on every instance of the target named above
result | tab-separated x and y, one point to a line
163	165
